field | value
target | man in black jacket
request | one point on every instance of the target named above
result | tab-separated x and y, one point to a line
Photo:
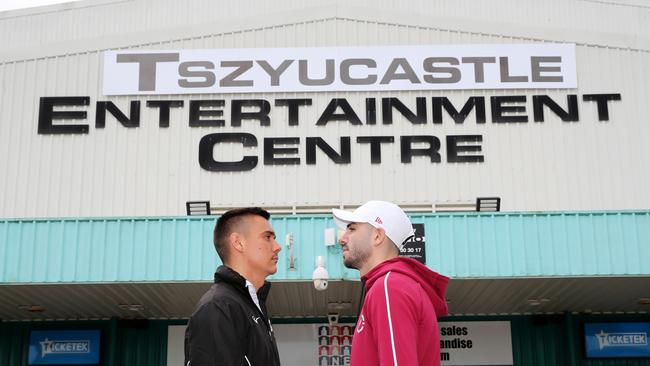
230	324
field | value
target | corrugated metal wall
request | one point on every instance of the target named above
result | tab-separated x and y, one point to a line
142	345
457	245
14	340
115	171
92	19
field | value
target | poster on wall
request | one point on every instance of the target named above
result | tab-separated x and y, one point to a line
461	343
475	343
605	340
415	247
334	345
64	347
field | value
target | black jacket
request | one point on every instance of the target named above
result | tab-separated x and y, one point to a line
227	328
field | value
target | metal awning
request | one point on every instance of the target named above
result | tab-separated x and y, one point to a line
299	300
500	263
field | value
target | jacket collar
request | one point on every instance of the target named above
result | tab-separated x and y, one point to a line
228	275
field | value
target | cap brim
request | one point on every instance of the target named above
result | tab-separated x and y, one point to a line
342	218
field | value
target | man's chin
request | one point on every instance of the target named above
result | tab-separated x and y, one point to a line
349	264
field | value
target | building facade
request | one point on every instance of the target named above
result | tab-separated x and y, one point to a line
122	119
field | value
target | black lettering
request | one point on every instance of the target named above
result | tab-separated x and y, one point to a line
456	151
196	112
47	115
375	146
293	106
601	101
420	117
132	121
456	343
539	101
499	109
408	151
342	158
262	115
371	111
459	117
164	106
270	151
347	115
206	152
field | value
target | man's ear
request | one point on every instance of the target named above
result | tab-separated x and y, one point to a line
379	236
235	240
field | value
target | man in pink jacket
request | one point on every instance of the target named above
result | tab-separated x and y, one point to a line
398	322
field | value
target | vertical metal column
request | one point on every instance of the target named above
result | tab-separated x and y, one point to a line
112	343
570	339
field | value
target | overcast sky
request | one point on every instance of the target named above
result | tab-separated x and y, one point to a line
19	4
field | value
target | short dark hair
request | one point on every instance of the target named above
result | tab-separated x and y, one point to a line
226	225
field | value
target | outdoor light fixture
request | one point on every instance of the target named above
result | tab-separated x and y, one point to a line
644	301
32	308
537	302
340	305
197	208
131	307
488	204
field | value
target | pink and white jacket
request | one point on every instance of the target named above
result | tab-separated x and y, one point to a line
398	323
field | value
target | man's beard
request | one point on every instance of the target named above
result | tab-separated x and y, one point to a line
356	258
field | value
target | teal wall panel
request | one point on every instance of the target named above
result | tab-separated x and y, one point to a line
462	245
538	244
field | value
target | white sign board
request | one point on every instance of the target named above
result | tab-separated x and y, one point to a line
176	345
475	343
258	70
462	343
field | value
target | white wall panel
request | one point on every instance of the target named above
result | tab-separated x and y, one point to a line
554	165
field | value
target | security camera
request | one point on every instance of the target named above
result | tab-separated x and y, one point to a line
320	284
333	318
320	276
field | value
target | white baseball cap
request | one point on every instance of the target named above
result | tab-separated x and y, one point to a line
379	214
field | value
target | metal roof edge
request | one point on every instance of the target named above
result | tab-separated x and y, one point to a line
325	215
